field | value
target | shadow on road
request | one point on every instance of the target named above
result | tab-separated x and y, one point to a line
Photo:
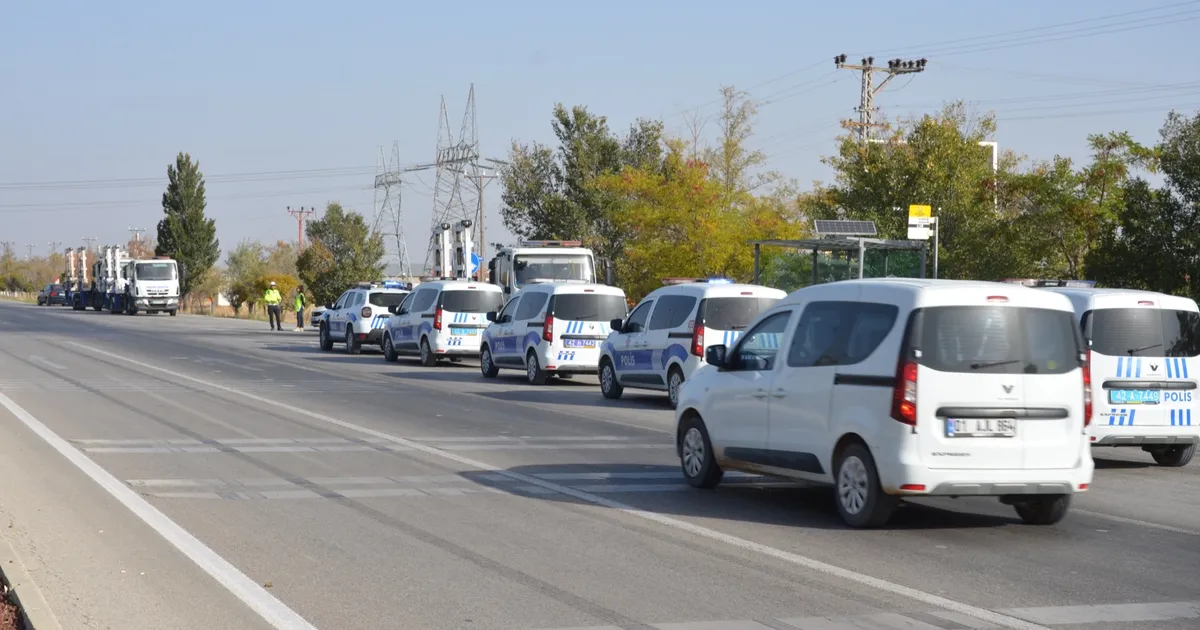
798	505
587	396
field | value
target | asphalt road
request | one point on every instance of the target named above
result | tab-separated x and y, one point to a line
192	472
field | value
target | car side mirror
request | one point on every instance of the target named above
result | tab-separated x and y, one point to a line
716	355
491	316
617	324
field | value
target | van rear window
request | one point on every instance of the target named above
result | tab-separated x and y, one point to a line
997	340
732	313
1143	332
466	301
386	299
592	307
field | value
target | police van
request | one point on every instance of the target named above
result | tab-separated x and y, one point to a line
663	340
897	388
441	319
1143	349
359	315
551	328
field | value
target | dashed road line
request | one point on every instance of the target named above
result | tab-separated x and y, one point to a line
930	599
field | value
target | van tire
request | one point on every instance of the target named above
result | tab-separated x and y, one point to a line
352	344
674	384
325	341
173	312
533	370
696	457
857	492
1174	456
1043	510
389	350
486	364
609	385
428	358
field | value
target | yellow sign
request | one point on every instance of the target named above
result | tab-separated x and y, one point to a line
923	212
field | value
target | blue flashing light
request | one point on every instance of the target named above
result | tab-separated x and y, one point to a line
720	281
393	284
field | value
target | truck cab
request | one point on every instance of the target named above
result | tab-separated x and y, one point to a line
543	261
153	285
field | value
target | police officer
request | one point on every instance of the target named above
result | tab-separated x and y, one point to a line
301	301
272	298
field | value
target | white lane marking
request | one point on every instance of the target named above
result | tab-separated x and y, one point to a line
1110	613
256	597
1141	523
697	530
46	362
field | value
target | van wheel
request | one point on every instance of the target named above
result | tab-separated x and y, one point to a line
389	351
860	499
674	383
533	370
173	312
1043	510
352	344
609	385
1174	456
428	358
486	365
326	342
696	457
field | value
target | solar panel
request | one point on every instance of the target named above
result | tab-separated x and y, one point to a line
826	227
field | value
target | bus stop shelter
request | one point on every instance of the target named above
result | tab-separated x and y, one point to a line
860	245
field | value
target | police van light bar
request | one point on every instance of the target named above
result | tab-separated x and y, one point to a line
551	243
671	281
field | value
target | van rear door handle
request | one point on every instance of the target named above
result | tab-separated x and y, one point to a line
779	393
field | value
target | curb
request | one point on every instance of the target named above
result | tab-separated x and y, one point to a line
23	591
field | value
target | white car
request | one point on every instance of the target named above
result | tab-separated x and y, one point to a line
441	319
663	340
551	328
358	316
1143	350
896	388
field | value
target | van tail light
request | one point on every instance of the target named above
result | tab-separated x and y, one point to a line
548	328
1087	390
698	340
366	312
904	394
437	319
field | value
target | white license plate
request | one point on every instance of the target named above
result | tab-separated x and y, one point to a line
981	427
464	332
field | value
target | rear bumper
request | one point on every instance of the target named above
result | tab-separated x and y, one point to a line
1149	439
963	483
445	345
372	337
570	360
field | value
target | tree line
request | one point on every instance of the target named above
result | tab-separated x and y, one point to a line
661	205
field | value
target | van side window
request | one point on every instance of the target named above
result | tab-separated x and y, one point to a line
872	323
757	349
637	319
673	311
405	305
819	334
425	299
508	310
531	305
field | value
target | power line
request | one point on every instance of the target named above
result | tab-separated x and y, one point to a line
230	178
69	206
866	106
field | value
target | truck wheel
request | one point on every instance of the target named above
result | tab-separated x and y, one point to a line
859	495
173	312
1044	510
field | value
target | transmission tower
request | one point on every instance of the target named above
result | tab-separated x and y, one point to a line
866	104
389	215
30	247
300	215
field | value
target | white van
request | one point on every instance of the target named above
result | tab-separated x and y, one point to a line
662	341
895	388
552	328
1143	349
440	319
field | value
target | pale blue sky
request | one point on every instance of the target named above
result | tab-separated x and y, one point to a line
108	93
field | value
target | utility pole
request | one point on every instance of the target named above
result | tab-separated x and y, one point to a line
89	240
300	215
137	234
866	104
481	182
8	245
54	247
30	248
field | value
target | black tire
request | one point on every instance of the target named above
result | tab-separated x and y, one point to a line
173	312
609	385
1174	456
533	370
696	457
352	344
674	384
326	342
487	366
428	358
857	493
1043	509
389	351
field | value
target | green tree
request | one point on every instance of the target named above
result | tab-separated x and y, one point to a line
552	194
343	250
185	233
